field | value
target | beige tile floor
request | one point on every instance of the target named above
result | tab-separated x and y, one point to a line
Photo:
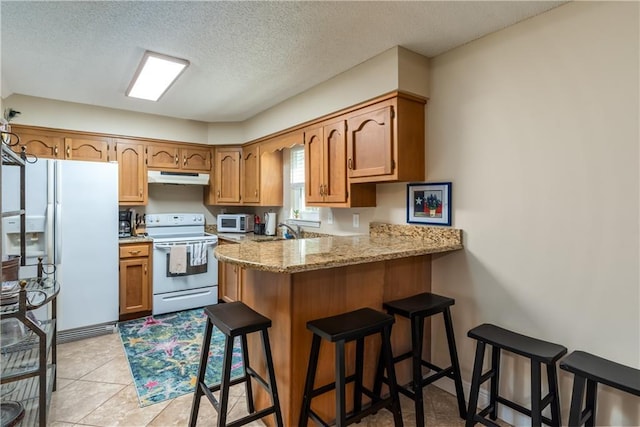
95	388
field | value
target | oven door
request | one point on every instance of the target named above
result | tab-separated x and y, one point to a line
195	277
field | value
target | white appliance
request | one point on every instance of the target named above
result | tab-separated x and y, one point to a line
185	271
235	223
270	224
183	178
72	222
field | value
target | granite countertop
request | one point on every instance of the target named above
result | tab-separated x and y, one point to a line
384	242
134	239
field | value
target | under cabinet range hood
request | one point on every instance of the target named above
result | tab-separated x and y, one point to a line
183	178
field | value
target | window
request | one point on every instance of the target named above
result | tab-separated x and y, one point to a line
298	208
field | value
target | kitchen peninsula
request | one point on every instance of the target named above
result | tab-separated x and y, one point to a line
294	281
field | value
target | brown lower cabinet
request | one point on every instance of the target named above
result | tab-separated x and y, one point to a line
135	280
229	279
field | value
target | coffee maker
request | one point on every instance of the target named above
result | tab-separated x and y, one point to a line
124	227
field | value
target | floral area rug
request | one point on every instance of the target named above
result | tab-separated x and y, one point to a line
164	353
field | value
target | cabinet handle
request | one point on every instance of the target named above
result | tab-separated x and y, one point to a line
349	164
55	150
326	192
176	159
321	190
145	269
218	193
140	192
68	151
134	252
184	163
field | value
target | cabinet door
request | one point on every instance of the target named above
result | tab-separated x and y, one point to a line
196	159
88	148
227	175
335	163
251	174
313	165
229	285
370	143
135	295
163	156
40	143
132	173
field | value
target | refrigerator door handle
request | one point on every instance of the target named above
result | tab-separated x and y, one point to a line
58	214
49	234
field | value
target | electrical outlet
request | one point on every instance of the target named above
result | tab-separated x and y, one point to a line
356	220
330	217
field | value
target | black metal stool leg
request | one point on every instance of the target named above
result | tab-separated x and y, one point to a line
495	382
417	333
247	384
590	402
391	374
453	355
475	384
357	389
204	355
536	394
552	381
575	413
311	377
224	385
341	409
275	399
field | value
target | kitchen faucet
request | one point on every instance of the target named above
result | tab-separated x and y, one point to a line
296	232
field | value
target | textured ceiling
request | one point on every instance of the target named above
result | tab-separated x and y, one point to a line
245	56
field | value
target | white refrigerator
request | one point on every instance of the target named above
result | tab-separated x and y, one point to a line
72	221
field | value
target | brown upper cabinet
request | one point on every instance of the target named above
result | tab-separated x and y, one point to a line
261	178
226	185
178	157
50	144
325	163
132	172
385	141
250	179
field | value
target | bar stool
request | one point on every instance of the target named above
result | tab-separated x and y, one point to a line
340	329
592	370
417	308
235	319
538	351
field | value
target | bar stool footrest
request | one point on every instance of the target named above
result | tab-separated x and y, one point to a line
522	409
252	417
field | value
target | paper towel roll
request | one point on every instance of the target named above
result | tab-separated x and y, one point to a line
270	226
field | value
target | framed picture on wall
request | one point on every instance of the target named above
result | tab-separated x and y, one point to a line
429	203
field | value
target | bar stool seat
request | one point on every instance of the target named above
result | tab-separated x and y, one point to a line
340	329
591	370
538	351
417	308
235	319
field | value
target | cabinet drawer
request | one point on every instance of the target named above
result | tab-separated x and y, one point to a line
130	251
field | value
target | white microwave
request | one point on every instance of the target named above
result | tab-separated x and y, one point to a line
235	223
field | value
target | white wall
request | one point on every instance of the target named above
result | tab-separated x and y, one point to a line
537	128
68	115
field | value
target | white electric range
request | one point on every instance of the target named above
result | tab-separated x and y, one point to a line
185	271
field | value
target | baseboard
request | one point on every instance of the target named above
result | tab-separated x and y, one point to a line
86	332
505	413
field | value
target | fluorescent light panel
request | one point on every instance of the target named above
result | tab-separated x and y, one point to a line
155	74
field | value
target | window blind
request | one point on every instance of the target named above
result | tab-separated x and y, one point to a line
297	165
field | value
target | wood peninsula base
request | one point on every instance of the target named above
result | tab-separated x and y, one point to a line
292	299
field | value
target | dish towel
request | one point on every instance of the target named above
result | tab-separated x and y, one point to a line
178	259
198	254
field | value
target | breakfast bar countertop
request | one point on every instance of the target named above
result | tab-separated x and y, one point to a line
384	242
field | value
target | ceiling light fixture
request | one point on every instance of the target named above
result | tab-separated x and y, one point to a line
155	74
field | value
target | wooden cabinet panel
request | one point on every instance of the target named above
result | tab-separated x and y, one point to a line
251	174
335	162
227	171
41	143
371	143
229	279
132	172
196	159
386	141
88	148
135	280
314	165
163	156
